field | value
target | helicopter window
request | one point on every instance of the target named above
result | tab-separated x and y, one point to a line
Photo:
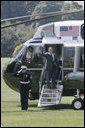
36	58
16	61
32	60
36	41
29	54
82	31
21	54
69	54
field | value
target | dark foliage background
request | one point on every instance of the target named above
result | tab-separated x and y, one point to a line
13	36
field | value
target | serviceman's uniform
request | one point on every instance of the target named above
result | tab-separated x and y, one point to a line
25	82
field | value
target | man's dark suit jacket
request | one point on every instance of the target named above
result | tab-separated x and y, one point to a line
50	64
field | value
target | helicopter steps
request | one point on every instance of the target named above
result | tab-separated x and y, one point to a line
50	97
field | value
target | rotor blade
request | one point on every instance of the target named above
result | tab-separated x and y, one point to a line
29	16
42	18
15	18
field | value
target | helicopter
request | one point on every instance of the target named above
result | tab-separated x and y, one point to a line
67	40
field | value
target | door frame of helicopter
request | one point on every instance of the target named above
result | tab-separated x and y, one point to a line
59	54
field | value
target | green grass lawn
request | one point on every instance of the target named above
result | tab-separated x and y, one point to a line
56	116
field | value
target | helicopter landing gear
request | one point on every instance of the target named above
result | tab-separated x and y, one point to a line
78	102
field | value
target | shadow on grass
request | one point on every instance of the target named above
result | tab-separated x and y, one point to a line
59	107
62	107
33	107
53	107
30	105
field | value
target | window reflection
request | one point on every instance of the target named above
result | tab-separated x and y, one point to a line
32	59
29	54
69	54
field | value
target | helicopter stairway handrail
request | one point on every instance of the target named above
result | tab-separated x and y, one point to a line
48	97
41	81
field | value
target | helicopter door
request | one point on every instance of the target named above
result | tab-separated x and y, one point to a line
58	50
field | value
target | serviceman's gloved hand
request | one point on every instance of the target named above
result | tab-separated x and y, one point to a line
30	94
30	91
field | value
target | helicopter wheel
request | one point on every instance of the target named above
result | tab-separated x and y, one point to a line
77	104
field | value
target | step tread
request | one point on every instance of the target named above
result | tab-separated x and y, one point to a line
50	96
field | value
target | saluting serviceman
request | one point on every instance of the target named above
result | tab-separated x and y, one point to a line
25	86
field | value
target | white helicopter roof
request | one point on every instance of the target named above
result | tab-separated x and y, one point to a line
54	40
70	23
32	42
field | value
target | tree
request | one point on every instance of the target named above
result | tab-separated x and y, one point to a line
17	49
46	7
8	39
11	37
72	6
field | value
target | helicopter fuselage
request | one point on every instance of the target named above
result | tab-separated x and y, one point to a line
64	37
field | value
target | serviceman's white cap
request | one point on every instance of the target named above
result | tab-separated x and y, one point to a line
24	67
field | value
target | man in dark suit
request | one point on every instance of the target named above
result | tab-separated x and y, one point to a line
51	67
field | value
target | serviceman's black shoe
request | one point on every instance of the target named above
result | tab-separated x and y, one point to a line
49	87
54	87
25	109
